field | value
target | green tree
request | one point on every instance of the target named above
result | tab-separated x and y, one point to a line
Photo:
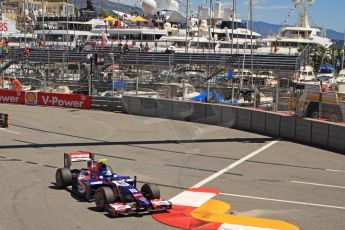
317	54
105	13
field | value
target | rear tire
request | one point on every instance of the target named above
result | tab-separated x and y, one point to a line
63	178
104	196
150	191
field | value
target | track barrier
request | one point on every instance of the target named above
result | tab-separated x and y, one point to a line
313	132
109	104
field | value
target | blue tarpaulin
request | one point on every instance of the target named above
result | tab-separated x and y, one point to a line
202	97
226	77
118	84
230	74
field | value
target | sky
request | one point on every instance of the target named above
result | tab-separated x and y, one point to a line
324	13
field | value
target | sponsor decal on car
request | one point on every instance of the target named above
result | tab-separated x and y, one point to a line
120	183
81	187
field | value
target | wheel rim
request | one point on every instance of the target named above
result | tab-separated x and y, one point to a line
99	200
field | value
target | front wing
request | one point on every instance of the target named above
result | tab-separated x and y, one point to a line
158	205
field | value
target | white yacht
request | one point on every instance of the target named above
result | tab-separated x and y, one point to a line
21	39
63	31
306	74
178	91
341	77
220	34
219	39
292	38
132	35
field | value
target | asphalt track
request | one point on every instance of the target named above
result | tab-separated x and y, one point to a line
287	181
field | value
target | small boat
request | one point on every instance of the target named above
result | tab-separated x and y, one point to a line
325	72
247	98
341	77
307	74
178	91
63	89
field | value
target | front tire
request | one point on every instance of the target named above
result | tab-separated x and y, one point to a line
104	196
150	191
63	178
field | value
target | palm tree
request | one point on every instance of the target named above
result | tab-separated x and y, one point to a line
317	55
105	13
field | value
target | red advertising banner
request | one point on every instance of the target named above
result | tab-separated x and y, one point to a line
12	96
77	101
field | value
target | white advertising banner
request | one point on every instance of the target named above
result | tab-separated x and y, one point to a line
7	27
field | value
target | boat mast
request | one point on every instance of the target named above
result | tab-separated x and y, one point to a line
67	15
119	22
342	64
44	36
24	8
187	9
209	28
233	25
303	16
251	39
1	7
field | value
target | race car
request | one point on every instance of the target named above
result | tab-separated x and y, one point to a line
113	193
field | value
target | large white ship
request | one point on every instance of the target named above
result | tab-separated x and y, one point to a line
292	38
216	31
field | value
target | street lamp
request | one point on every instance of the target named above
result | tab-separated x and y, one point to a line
90	57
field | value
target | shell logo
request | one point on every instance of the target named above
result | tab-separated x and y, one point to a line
31	98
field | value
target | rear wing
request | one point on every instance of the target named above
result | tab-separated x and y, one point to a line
77	157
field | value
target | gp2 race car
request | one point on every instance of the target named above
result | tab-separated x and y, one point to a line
115	194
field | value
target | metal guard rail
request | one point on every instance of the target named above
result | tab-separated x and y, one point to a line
260	61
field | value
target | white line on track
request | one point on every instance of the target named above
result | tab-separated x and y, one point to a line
283	201
9	131
233	165
335	170
322	185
